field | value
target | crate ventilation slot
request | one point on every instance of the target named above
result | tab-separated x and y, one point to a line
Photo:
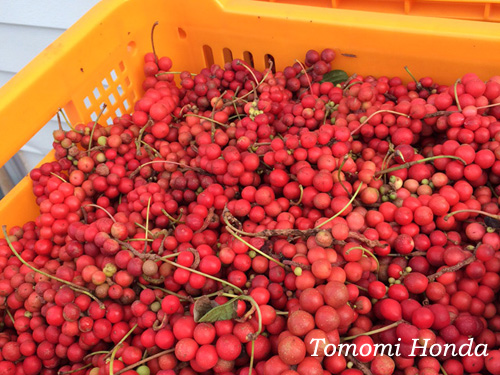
228	55
248	57
113	89
268	60
182	33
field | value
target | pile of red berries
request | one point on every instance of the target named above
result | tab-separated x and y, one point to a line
270	223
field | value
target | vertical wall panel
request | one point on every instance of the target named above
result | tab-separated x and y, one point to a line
26	28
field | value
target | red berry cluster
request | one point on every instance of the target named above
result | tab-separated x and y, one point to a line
245	222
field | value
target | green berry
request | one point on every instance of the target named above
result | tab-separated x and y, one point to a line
102	140
155	306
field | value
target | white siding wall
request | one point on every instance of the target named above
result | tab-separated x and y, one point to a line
26	28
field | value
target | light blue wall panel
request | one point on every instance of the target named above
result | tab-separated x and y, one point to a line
26	28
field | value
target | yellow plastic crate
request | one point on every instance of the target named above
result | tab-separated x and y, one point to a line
457	9
99	59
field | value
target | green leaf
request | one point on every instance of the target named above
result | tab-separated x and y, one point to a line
335	77
202	306
206	310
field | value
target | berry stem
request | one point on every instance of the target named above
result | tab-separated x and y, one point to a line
439	113
146	230
255	305
344	160
376	113
95	353
304	70
138	141
411	163
226	215
59	177
138	254
152	280
233	103
400	154
288	262
145	360
211	218
207	119
381	329
75	287
66	120
301	188
9	314
93	128
59	121
385	163
456	94
171	218
117	346
254	336
488	106
180	296
262	144
360	365
366	251
147	227
454	268
496	217
151	148
362	238
153	41
169	256
492	189
252	355
140	239
357	286
346	84
250	70
224	282
351	84
235	98
419	85
343	209
132	175
235	235
412	254
163	73
281	312
214	294
75	370
102	208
